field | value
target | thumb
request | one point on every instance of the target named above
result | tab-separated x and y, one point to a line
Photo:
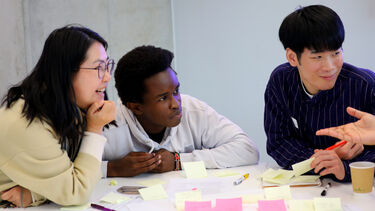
355	113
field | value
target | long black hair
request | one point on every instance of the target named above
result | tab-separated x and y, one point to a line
48	91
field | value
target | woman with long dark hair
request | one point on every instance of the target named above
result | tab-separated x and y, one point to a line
51	141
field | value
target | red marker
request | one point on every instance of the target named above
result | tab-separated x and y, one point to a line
336	145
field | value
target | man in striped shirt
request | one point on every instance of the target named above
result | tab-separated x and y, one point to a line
311	92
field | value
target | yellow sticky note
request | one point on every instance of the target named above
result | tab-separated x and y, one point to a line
114	198
327	204
79	207
151	182
181	197
155	192
226	173
282	177
113	183
306	178
301	205
194	169
274	193
252	198
302	167
270	173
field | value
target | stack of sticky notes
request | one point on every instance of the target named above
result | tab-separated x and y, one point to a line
294	177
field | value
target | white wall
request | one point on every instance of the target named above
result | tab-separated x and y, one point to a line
226	51
125	24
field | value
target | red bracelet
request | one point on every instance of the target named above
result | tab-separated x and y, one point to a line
177	162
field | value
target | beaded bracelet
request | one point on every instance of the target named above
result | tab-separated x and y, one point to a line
177	161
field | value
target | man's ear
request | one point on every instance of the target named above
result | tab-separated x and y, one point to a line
291	56
136	108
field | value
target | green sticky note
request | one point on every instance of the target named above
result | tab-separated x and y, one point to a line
327	204
274	193
114	198
194	169
299	205
155	192
302	167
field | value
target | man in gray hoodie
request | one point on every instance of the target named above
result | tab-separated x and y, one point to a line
158	128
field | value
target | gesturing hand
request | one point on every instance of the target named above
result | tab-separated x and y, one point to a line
361	131
133	164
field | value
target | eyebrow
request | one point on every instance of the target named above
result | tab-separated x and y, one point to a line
165	93
101	60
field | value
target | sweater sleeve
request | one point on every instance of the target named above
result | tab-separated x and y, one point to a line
36	162
284	144
224	144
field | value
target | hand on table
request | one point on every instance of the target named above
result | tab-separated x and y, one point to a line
167	161
14	195
133	164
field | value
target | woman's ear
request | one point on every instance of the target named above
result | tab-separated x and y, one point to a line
292	58
136	108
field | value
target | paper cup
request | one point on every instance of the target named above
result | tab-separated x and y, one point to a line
362	176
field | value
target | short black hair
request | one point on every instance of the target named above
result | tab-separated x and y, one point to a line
315	27
135	67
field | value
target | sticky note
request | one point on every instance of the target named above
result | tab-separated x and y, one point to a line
306	178
282	192
226	173
252	198
298	205
302	167
197	205
113	183
195	169
181	197
282	177
270	173
79	207
271	205
327	204
233	204
114	198
151	182
155	192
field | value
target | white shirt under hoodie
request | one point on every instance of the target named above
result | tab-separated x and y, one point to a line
202	135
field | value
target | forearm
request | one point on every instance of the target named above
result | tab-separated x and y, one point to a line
230	154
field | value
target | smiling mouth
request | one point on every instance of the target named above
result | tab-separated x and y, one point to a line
101	91
331	77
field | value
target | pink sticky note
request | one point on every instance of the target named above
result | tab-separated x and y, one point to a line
197	205
234	204
271	205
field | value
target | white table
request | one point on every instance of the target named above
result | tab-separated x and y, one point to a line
349	201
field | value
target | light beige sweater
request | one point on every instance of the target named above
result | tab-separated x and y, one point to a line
31	156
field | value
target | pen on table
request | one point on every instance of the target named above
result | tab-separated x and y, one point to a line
324	192
99	207
336	145
241	179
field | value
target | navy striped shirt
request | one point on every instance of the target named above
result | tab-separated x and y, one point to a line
291	117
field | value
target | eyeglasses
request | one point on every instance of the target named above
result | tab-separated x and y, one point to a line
102	68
